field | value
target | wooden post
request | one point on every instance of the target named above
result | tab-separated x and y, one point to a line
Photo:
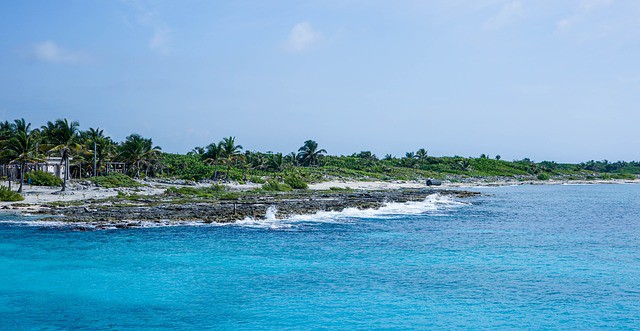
95	159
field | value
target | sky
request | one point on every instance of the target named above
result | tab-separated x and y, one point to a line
541	79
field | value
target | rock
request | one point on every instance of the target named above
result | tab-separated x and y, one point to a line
255	207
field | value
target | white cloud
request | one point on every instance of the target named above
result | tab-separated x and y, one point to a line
302	37
508	14
585	8
161	38
588	5
49	51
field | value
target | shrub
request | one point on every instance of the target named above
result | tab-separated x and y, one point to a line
257	179
229	196
218	188
623	176
42	178
7	195
543	176
202	192
296	182
274	185
114	180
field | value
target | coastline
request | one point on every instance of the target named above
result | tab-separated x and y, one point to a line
112	208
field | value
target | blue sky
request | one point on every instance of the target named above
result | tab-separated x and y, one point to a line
548	80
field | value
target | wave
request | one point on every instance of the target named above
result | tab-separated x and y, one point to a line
433	205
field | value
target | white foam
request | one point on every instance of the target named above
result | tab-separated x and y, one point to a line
433	204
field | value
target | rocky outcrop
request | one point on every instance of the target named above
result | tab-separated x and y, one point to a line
118	215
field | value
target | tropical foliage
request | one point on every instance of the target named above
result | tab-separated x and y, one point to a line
139	152
309	154
20	147
92	154
41	178
7	195
115	180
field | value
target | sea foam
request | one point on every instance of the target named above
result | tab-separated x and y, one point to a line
431	205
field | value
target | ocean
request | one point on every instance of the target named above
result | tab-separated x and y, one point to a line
521	257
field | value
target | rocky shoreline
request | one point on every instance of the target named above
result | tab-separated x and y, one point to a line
156	210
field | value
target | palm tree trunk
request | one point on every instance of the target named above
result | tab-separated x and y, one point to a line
66	173
21	176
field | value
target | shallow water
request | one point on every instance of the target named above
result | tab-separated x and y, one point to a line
560	257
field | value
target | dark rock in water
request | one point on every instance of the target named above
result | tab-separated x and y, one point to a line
123	216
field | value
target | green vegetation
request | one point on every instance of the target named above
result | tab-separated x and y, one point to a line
139	152
41	178
202	192
296	182
275	186
543	176
90	153
7	195
114	180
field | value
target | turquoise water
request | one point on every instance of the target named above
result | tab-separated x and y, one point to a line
534	257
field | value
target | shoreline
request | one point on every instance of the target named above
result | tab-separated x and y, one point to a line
108	208
259	207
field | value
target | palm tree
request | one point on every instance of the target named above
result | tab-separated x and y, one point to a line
292	159
21	147
257	160
465	164
212	154
63	137
421	154
196	151
137	151
101	145
309	154
276	162
230	151
409	159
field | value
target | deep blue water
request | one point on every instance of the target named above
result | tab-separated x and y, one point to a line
534	257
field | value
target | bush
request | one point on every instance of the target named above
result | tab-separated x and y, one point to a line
543	176
296	182
257	179
42	178
114	180
7	195
274	185
201	192
624	176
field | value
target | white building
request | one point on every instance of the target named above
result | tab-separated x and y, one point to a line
51	165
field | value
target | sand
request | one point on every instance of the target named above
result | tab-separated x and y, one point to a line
36	195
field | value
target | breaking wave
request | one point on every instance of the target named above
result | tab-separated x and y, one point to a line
433	205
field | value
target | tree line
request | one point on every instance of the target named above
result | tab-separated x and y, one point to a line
82	153
87	153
